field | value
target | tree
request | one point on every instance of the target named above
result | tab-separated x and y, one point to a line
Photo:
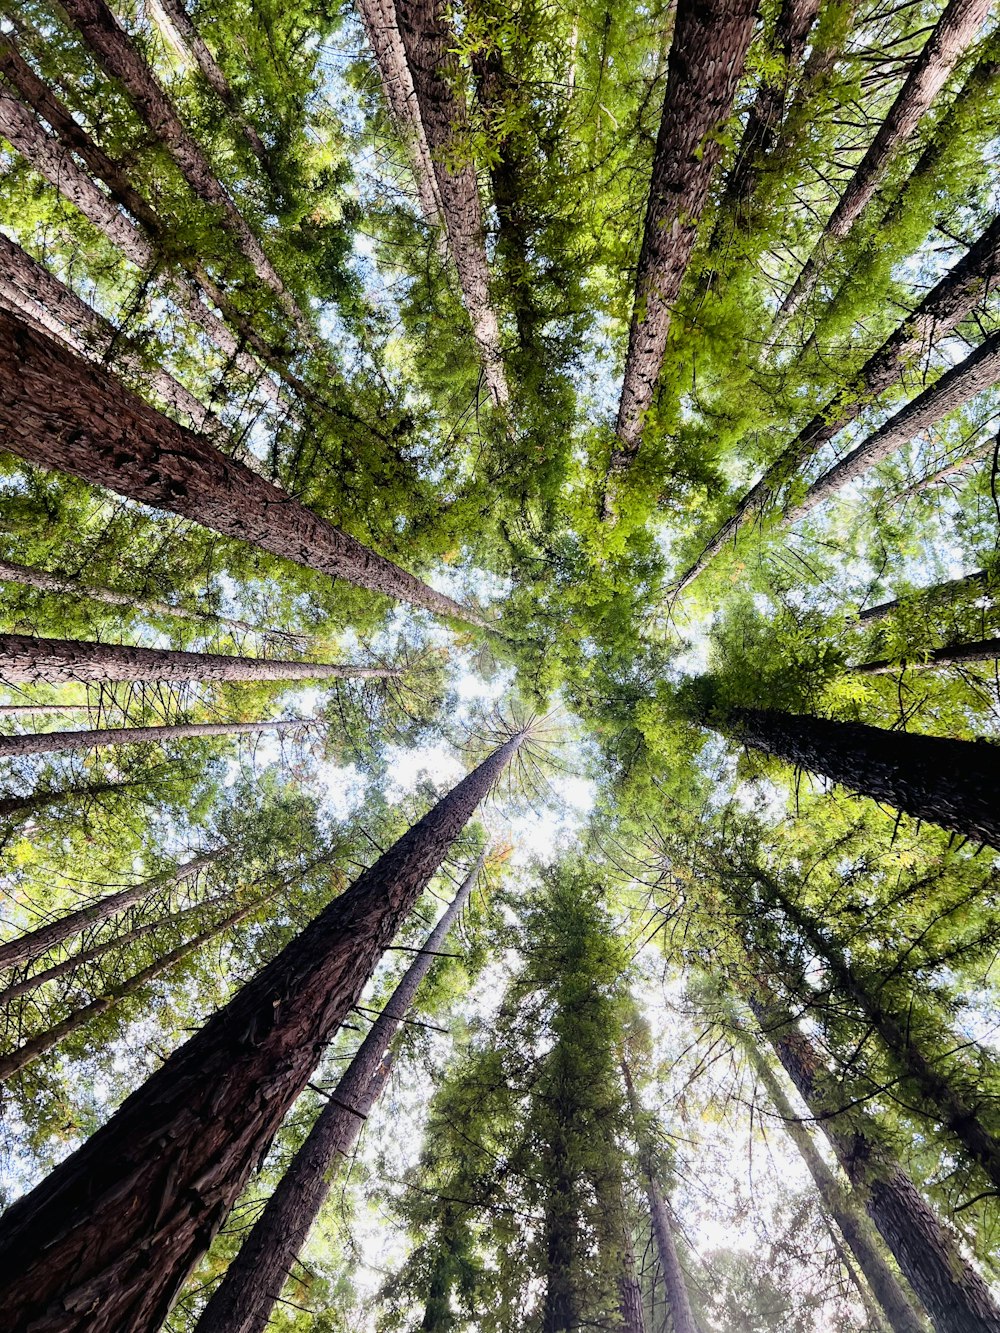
60	742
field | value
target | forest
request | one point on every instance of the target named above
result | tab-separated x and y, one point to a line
499	666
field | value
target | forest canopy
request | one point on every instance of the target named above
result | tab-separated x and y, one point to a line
499	666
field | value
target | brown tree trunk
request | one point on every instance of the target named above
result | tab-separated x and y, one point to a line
847	1213
120	59
27	805
59	412
62	742
706	61
25	659
955	31
629	1289
428	41
957	386
105	1243
678	1302
948	782
46	937
243	1301
953	1294
965	284
953	654
978	582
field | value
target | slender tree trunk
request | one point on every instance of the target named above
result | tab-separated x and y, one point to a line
706	61
122	61
27	805
243	1301
678	1302
629	1288
948	782
966	283
953	654
955	31
978	582
943	473
428	41
59	412
899	1309
105	1243
9	710
980	370
62	742
954	1295
46	937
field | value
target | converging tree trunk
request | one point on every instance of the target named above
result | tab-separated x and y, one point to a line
629	1288
106	1241
977	583
243	1301
57	411
29	805
952	654
62	742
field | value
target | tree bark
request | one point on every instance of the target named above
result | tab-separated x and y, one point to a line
62	742
977	582
678	1302
957	386
8	710
46	937
948	782
243	1301
965	283
847	1213
954	1295
57	411
27	805
955	31
629	1289
952	654
706	61
120	59
106	1241
428	42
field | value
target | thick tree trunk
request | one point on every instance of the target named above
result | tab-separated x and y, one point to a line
428	41
965	284
243	1301
953	654
63	742
980	370
46	937
57	411
629	1289
948	782
954	1295
978	582
106	1241
25	659
847	1213
706	61
956	30
122	61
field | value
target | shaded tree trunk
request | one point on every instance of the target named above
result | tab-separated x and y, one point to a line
62	742
27	805
953	654
977	582
46	937
161	1176
948	782
243	1301
955	31
59	412
706	61
678	1302
629	1288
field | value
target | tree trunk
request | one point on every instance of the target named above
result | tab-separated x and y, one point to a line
243	1301
120	59
957	386
924	483
26	805
105	1243
629	1289
59	412
953	654
62	742
8	710
682	1320
706	61
954	1295
849	1215
955	31
25	659
46	937
948	782
978	582
428	42
966	283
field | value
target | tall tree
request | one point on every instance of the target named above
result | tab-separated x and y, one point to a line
63	742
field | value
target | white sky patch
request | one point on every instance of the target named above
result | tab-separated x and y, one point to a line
408	768
343	789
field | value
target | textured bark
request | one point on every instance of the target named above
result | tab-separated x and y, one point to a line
952	654
629	1289
953	1294
678	1302
46	937
243	1301
978	582
980	370
944	781
63	742
106	1241
57	411
706	60
966	283
849	1215
122	61
428	42
955	31
25	659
